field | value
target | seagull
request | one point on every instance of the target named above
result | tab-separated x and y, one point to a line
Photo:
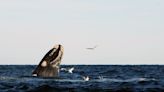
86	78
63	69
92	48
100	77
70	70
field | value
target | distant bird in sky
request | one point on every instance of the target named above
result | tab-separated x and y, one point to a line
92	48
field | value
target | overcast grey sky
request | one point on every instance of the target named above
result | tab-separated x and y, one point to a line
126	31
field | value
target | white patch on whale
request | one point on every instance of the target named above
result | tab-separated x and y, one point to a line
44	64
34	74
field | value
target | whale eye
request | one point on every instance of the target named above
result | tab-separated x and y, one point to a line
44	64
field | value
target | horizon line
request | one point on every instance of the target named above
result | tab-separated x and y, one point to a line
87	64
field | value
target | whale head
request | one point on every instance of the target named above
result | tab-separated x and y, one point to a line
50	64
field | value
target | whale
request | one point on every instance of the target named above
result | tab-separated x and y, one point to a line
49	66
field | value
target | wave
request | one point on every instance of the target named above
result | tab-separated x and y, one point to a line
35	84
101	78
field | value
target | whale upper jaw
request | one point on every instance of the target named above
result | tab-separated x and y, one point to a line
50	64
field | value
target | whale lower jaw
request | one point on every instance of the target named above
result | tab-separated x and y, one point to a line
48	72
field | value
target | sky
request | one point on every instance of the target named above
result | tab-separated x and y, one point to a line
125	31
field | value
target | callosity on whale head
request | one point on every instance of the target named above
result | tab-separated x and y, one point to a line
50	64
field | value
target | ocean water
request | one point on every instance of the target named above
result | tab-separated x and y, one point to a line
102	78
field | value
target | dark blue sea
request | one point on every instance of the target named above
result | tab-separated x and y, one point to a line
102	78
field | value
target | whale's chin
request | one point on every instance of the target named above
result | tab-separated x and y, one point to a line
50	64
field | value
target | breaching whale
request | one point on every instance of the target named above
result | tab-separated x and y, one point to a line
49	66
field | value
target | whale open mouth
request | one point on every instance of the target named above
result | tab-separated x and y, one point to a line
49	65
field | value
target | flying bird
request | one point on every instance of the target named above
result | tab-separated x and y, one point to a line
92	48
69	70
